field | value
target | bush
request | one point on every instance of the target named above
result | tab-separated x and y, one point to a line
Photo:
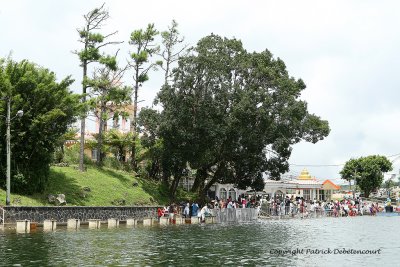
58	155
19	183
118	202
71	155
182	195
114	163
49	108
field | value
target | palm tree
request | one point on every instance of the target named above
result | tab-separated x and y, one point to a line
119	142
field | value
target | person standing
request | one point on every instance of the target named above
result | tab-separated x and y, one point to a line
287	205
171	213
302	205
244	203
195	209
160	213
203	213
186	211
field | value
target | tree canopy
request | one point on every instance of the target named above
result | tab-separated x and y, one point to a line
93	42
231	115
49	107
144	45
172	49
107	97
367	171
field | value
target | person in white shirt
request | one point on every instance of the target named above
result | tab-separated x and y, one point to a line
186	211
203	212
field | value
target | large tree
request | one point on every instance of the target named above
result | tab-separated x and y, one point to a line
232	116
92	42
107	95
144	47
49	108
170	52
172	49
367	172
153	152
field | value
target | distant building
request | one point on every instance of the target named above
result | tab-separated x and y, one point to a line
304	186
120	123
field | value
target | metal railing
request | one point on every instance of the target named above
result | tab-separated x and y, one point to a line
379	201
295	211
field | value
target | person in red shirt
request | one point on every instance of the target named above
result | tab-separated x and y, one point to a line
160	213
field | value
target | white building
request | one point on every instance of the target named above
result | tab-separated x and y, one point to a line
304	186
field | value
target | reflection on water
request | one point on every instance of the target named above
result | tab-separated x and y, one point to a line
210	245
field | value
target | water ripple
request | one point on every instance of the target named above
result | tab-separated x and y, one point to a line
247	244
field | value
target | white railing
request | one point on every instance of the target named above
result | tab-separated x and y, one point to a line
281	211
374	200
235	215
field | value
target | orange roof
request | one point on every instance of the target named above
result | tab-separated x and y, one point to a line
337	187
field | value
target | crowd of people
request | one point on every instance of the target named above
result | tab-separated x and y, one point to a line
194	209
345	207
275	207
186	210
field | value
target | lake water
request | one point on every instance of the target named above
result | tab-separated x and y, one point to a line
266	242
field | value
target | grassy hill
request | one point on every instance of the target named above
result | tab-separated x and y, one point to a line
96	187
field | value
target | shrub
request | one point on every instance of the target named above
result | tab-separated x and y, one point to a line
71	155
49	108
113	163
58	156
19	183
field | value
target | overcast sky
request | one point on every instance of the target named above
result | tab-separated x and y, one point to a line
347	52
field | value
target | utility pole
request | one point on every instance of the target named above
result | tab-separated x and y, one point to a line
8	137
8	145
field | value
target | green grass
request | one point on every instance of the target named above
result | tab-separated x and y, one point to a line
106	186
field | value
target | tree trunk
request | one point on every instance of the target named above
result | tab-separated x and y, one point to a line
366	193
154	169
174	187
214	179
205	189
83	120
121	153
100	137
134	120
201	175
167	69
62	152
196	184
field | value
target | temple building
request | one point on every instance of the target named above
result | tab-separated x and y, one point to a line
304	186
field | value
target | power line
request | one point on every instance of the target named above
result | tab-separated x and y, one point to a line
331	165
316	165
394	155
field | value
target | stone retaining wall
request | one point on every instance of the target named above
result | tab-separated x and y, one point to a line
62	214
